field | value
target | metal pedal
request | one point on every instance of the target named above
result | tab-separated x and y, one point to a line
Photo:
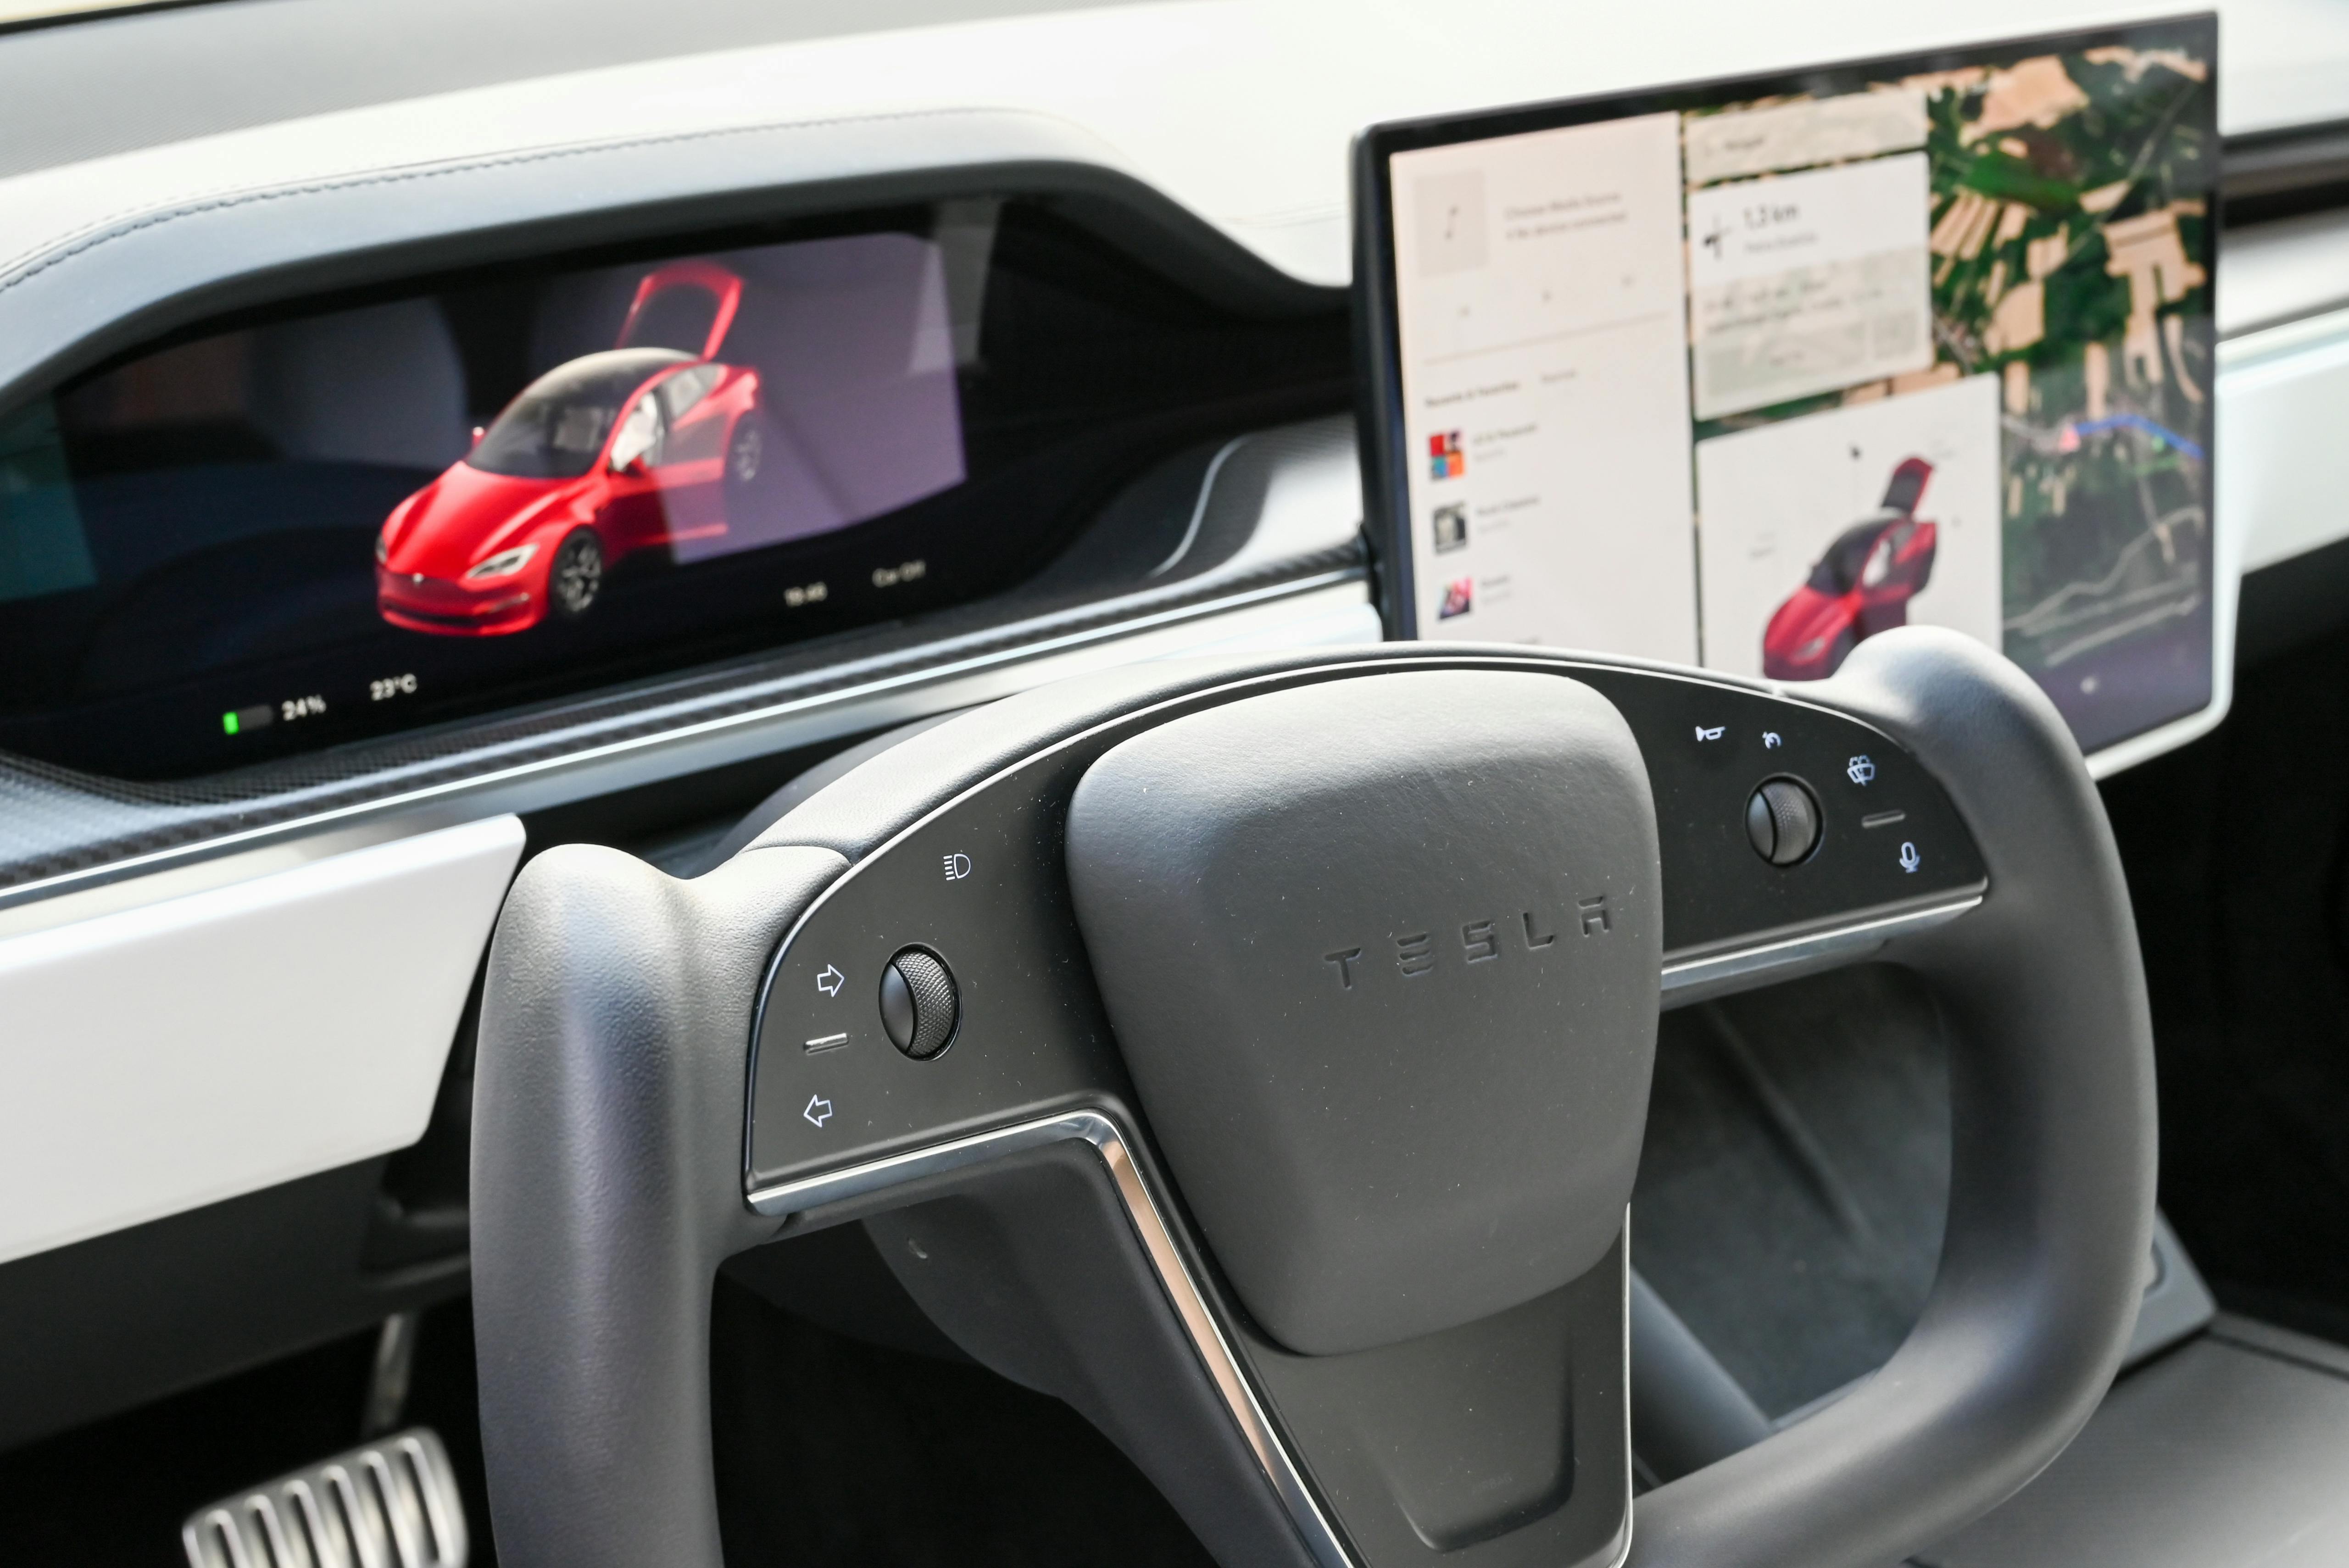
390	1503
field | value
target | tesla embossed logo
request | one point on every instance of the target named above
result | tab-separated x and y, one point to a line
1416	955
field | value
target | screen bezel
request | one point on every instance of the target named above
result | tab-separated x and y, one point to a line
1386	477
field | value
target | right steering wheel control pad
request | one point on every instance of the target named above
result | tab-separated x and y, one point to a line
1885	836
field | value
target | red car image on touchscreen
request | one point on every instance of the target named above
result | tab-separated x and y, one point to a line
1861	585
605	455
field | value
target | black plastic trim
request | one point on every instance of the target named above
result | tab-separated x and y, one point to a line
2273	174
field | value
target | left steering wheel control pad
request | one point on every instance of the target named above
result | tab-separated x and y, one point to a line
1383	956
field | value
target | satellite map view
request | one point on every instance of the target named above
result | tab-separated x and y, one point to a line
2071	242
2068	254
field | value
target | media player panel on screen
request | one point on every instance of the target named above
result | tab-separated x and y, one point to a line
1745	375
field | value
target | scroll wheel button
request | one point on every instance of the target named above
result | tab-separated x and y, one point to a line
1783	821
919	1004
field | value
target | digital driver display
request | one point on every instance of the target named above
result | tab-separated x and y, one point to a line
1742	374
349	515
341	514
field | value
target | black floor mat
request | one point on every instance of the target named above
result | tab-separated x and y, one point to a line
1795	1174
833	1453
114	1492
2234	848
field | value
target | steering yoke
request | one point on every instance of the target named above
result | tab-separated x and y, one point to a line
1255	1054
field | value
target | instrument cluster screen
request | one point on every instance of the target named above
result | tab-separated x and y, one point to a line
367	513
1742	375
289	526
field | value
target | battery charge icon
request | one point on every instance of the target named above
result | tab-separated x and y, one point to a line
244	718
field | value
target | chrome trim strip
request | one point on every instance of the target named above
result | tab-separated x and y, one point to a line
1630	1467
1206	1336
785	1198
1199	512
1859	936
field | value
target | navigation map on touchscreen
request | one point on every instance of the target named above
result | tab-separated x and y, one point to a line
1744	374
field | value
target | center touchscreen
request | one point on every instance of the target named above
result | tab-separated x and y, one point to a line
1743	374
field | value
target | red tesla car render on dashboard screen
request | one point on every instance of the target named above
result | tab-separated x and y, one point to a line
1861	585
603	456
689	301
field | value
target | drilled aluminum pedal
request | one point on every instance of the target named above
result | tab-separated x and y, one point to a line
390	1503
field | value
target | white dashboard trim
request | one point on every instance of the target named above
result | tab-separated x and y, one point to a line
161	1057
2284	403
2271	275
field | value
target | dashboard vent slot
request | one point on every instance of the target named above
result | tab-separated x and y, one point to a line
391	1504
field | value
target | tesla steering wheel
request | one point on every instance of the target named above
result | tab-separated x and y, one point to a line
1255	1054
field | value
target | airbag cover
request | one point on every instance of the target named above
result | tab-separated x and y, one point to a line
1383	955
